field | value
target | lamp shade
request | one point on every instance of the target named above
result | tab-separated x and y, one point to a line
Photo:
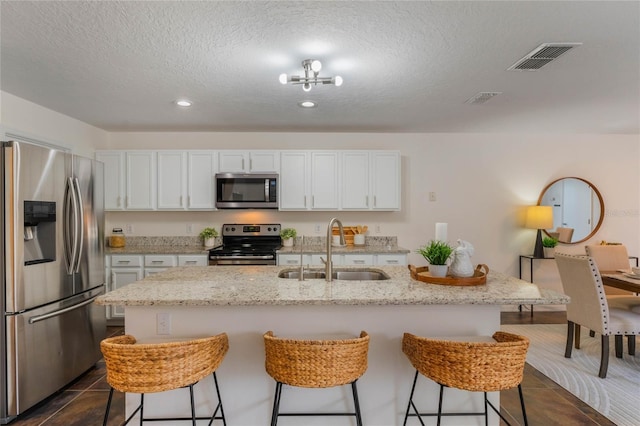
539	217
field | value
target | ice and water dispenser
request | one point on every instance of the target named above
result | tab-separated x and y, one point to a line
39	232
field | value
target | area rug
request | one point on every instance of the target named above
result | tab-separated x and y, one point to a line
617	397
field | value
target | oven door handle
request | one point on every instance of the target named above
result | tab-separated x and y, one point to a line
217	257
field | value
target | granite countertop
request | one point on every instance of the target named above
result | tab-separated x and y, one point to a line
160	249
260	285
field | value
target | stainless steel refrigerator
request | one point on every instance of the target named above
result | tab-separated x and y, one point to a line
52	270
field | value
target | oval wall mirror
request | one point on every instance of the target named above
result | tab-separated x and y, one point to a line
578	209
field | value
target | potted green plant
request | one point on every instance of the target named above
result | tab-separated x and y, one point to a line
208	236
437	253
287	235
548	245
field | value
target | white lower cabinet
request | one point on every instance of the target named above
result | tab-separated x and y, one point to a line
359	259
193	260
391	259
343	259
125	269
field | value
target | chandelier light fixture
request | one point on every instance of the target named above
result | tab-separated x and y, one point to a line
312	68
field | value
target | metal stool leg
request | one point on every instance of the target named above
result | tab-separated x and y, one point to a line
524	412
193	408
141	408
106	413
219	406
276	404
356	403
486	411
440	404
406	414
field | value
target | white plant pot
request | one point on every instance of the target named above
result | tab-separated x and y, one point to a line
209	242
287	242
549	251
438	270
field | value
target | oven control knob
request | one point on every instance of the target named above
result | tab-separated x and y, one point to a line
233	229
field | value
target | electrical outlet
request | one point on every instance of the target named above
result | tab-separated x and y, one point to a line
128	228
432	196
163	323
378	228
190	228
318	228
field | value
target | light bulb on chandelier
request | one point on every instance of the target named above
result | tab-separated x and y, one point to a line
311	69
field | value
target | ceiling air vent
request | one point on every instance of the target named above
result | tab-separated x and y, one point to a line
541	56
481	98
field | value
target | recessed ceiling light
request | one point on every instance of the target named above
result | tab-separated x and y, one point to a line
183	103
307	104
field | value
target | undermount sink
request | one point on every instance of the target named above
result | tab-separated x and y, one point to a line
339	274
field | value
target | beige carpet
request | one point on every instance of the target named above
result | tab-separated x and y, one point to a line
617	397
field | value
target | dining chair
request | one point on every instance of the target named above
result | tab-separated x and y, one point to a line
590	307
564	234
609	257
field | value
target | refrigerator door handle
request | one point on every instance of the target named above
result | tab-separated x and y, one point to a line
52	314
67	214
79	214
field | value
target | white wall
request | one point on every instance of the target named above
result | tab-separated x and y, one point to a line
25	118
481	182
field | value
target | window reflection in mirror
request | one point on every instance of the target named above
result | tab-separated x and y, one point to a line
578	209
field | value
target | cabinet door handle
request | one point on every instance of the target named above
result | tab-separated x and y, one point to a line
191	262
392	261
181	201
251	164
375	201
188	200
305	201
119	201
243	164
157	261
292	262
124	261
313	201
366	201
358	261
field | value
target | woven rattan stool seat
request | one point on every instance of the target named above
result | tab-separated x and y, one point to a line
158	367
474	366
315	364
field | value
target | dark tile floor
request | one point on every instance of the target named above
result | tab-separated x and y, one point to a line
83	402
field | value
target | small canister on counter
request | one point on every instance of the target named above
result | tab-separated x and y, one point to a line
116	239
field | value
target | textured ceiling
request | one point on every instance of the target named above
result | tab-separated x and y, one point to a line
407	66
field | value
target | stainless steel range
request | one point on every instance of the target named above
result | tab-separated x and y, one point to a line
247	244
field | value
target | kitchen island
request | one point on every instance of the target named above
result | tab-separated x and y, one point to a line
246	301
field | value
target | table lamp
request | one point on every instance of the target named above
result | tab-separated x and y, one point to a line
539	217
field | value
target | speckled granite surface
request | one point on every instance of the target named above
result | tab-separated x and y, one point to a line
260	285
193	245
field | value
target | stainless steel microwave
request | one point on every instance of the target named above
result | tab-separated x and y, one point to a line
246	191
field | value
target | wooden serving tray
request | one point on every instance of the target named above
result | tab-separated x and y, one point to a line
422	274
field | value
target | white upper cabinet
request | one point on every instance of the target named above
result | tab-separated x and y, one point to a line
186	180
172	180
140	180
324	180
201	172
386	180
249	161
355	181
309	180
114	179
294	178
370	180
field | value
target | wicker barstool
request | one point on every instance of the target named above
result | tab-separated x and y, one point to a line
158	367
485	366
315	364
